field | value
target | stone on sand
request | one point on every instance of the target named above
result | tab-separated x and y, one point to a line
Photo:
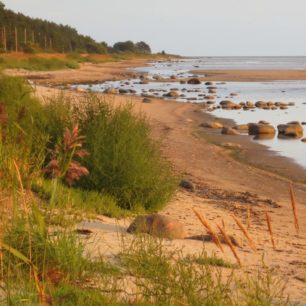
187	184
194	81
158	225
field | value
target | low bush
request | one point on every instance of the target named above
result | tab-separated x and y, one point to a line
124	161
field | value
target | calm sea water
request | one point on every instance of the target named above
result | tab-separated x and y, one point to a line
224	63
276	91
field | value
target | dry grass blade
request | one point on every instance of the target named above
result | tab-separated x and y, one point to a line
228	241
246	233
294	208
20	184
209	229
268	218
249	217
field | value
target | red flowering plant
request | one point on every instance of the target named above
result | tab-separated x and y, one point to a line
63	164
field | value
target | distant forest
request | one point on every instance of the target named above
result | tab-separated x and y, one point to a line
21	33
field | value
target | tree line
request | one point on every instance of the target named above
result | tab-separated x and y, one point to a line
21	33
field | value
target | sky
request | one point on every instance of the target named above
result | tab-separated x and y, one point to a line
185	27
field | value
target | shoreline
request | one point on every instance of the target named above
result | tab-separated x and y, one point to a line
250	75
253	154
224	185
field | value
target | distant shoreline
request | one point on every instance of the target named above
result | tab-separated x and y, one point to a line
251	75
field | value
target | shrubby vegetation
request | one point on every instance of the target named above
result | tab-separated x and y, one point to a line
121	158
123	161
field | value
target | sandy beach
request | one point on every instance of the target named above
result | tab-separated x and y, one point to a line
227	180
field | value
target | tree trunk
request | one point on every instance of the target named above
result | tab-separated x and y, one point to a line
16	40
4	39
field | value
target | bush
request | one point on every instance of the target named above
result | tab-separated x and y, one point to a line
124	161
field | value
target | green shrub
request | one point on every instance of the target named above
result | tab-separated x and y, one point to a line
124	161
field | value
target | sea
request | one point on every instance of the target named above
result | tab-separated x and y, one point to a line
276	91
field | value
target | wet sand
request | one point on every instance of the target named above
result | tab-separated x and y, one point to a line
224	185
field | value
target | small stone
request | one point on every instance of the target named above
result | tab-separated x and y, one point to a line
187	184
146	100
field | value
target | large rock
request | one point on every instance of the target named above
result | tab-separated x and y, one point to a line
124	91
292	129
227	104
172	94
187	184
261	104
158	226
212	125
194	81
261	129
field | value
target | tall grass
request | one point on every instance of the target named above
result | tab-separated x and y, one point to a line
22	137
124	161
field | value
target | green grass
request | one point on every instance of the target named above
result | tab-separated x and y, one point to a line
77	199
38	64
158	275
213	260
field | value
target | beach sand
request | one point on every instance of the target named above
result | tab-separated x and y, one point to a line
224	185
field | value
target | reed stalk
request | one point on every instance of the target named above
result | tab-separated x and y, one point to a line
33	269
209	229
228	241
246	233
294	208
249	217
269	223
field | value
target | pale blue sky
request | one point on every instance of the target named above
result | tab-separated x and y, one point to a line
187	27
